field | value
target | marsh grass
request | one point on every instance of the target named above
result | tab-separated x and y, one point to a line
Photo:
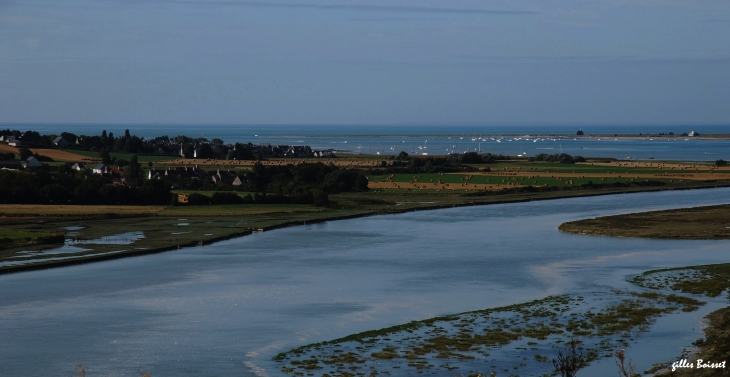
75	210
708	280
709	222
464	340
237	209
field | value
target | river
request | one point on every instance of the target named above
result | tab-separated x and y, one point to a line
227	308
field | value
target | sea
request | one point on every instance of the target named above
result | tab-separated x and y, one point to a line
598	141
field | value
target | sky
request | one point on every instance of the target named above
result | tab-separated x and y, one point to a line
365	61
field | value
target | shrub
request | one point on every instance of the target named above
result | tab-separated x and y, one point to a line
225	198
196	199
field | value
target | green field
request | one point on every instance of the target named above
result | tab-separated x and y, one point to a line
20	235
237	209
588	168
123	156
479	179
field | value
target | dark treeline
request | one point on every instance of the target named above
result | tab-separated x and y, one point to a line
476	158
127	143
67	186
31	138
295	179
403	163
562	158
309	183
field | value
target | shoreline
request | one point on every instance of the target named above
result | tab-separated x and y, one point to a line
476	200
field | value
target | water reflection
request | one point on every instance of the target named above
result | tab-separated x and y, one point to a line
227	308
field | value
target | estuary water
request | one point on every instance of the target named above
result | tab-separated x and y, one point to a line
444	139
226	309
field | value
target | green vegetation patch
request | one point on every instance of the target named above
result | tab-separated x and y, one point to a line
458	179
19	238
19	234
709	222
469	341
709	280
237	209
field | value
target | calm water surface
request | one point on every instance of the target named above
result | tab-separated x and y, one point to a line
227	308
441	139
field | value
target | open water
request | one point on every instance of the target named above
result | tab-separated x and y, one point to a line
226	309
444	139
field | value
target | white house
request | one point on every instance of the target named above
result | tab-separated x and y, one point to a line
101	169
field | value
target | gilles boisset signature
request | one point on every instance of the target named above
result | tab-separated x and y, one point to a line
700	364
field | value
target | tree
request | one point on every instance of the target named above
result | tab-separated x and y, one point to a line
25	153
135	168
625	370
568	363
105	157
470	158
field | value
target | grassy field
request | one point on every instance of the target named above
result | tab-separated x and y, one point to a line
540	174
489	179
711	222
237	209
169	227
20	235
75	210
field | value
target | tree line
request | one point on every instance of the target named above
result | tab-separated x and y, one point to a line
67	186
309	183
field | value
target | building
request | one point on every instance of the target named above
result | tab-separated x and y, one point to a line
100	169
32	162
60	142
78	166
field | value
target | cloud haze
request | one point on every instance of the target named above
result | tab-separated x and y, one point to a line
379	62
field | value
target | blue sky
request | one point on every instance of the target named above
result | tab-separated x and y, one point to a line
365	62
